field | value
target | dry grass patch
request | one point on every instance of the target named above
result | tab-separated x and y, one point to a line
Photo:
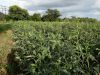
5	48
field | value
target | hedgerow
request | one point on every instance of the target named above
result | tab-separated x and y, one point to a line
56	48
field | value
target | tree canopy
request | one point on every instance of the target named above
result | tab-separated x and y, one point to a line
51	15
17	13
36	17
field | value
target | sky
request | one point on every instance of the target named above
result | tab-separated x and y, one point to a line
68	8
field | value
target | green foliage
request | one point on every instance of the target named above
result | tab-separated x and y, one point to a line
57	48
7	17
17	13
51	15
5	27
36	17
79	19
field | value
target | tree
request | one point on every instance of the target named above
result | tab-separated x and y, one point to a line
17	13
7	17
45	18
36	17
51	15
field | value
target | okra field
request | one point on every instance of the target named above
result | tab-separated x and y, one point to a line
49	37
55	48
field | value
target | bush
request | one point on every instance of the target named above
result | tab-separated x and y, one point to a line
56	48
5	27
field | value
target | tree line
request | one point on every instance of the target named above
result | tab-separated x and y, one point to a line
16	13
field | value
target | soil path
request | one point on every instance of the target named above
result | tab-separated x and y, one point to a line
5	48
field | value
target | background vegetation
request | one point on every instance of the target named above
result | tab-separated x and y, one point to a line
17	13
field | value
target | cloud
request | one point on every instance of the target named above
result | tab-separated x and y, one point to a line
60	3
40	4
82	8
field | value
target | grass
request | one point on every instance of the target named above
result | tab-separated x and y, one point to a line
5	48
5	27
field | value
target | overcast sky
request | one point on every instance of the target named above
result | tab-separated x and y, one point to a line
80	8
